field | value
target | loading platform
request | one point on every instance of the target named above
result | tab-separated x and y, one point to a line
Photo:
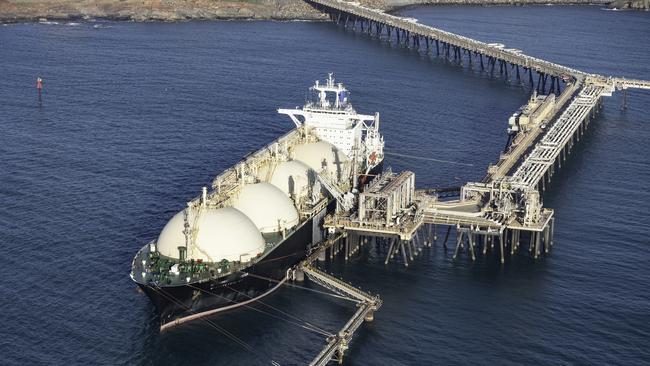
501	209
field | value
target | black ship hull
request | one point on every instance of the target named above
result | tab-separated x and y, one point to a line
182	303
178	304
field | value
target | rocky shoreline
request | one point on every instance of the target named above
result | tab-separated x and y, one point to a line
179	10
630	5
155	10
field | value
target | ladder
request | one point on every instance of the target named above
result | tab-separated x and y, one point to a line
334	190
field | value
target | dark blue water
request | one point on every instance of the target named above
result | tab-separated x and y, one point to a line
137	117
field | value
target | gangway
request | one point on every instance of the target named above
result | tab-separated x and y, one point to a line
367	304
345	202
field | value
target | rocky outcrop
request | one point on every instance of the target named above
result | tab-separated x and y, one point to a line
156	10
630	4
176	10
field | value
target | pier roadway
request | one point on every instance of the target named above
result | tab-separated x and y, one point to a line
437	216
617	83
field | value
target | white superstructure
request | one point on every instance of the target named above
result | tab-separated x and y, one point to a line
330	116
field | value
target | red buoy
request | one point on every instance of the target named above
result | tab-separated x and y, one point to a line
39	86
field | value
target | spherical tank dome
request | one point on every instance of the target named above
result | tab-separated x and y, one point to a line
316	155
224	233
293	178
267	206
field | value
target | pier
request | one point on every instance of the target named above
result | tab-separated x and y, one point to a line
502	213
407	32
544	75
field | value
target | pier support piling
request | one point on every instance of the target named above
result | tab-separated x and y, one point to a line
444	242
501	236
471	245
406	261
459	239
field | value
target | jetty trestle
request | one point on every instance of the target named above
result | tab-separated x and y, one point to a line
407	32
455	48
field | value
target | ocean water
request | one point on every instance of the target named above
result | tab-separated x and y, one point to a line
137	117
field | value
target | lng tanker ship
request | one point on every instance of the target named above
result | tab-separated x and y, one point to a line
235	242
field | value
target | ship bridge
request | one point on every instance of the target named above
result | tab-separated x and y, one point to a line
330	115
329	97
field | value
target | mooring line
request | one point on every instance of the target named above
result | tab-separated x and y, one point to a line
307	288
221	330
308	326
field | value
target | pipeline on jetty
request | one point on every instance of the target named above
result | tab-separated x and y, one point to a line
503	212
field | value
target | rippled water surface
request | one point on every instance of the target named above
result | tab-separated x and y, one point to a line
136	117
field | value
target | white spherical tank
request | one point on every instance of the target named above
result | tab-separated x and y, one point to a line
224	233
318	155
267	206
292	177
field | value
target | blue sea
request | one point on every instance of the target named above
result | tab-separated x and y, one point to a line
137	117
